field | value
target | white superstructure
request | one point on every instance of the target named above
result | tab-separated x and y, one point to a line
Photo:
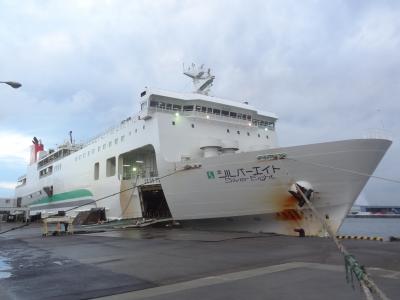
200	159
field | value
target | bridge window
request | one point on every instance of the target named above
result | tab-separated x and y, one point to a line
203	109
198	108
153	103
169	106
233	114
188	108
216	111
224	113
176	107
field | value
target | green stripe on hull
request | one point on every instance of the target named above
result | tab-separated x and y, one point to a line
64	196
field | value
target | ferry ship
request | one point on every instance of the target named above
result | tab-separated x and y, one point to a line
202	161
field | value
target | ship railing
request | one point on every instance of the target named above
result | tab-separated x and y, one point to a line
112	130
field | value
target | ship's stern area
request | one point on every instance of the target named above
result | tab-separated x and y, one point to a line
251	191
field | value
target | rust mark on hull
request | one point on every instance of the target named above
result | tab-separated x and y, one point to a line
289	210
289	215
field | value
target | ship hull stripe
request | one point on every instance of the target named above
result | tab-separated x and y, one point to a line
63	196
62	204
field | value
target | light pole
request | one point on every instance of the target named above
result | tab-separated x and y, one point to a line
13	84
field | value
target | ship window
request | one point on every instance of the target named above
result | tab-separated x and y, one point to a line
198	108
122	138
169	106
161	105
244	117
109	144
173	122
249	117
224	113
96	171
110	167
259	135
136	130
188	108
238	132
116	141
233	114
176	107
209	110
216	111
227	131
267	137
153	103
143	127
248	133
203	109
192	125
239	116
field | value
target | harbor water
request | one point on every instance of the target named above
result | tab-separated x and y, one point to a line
381	227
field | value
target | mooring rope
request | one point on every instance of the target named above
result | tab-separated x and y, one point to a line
351	264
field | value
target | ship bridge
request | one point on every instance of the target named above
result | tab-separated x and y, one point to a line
206	107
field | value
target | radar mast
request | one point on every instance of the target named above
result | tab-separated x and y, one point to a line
202	79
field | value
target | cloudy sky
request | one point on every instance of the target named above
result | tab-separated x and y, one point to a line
329	69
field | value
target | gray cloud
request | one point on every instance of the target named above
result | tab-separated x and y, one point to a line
329	69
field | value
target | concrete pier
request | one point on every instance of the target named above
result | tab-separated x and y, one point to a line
155	263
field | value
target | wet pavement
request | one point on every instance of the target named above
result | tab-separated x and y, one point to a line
156	263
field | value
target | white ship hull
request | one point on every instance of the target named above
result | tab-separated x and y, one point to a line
262	203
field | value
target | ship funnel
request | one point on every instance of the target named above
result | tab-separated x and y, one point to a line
35	149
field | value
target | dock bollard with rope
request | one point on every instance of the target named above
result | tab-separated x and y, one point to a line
352	266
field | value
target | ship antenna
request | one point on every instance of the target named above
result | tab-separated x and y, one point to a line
202	80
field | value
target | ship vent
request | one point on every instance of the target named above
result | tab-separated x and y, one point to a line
211	147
